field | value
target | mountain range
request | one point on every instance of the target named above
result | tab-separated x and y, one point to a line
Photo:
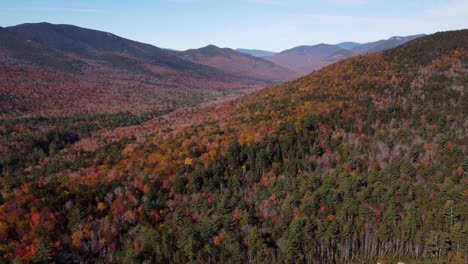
72	69
305	59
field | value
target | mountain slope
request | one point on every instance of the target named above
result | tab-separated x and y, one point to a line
238	63
363	161
14	46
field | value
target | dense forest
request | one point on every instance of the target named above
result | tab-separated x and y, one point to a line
364	161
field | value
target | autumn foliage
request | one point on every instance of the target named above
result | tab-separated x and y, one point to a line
362	161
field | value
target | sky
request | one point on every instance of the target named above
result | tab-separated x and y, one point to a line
273	25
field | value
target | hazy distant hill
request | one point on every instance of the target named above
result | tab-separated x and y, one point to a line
382	45
348	45
238	63
257	53
305	59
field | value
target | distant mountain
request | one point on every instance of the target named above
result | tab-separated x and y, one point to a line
22	49
382	45
348	45
339	55
257	53
63	69
102	47
238	63
305	59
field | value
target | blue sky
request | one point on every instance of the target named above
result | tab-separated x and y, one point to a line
261	24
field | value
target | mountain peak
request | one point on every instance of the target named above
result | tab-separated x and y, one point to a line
209	51
211	46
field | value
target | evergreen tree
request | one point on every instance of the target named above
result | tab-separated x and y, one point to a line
44	252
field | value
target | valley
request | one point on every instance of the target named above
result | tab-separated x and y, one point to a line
134	154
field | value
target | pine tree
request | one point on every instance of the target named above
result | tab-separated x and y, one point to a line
44	252
437	243
74	216
458	236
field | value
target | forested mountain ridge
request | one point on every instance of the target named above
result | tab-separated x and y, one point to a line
17	47
63	70
104	47
362	161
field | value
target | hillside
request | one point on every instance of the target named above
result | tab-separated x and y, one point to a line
363	161
235	62
305	59
56	70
